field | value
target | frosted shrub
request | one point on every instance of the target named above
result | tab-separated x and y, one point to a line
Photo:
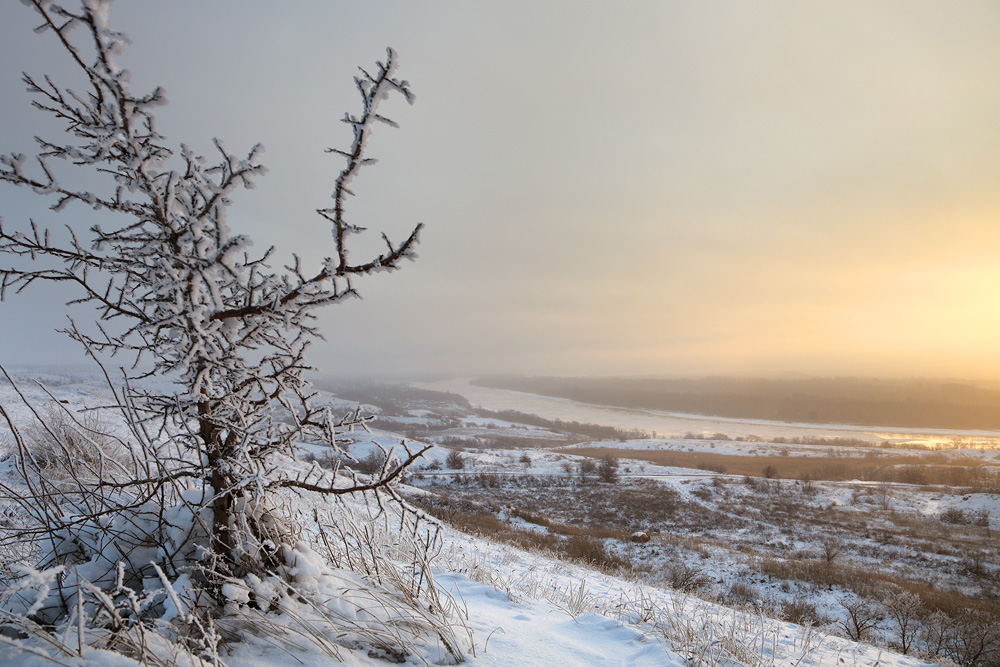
372	464
191	513
607	469
862	618
455	460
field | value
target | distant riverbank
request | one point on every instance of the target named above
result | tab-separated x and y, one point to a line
678	425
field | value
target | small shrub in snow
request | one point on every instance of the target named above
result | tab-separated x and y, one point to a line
455	460
607	469
371	464
904	611
686	578
974	640
831	550
740	593
801	612
861	618
955	516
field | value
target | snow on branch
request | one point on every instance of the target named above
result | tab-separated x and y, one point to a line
171	283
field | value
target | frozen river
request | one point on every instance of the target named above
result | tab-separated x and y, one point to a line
667	424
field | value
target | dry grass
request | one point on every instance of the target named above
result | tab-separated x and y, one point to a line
933	469
754	524
572	542
65	445
870	583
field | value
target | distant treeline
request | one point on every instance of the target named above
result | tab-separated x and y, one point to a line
860	401
391	398
595	431
827	441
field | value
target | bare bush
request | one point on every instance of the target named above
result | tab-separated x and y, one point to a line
455	460
861	618
607	469
884	494
373	463
685	578
975	563
955	516
331	460
904	610
801	612
808	486
831	550
935	632
974	640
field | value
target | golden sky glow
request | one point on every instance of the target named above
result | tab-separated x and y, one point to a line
614	188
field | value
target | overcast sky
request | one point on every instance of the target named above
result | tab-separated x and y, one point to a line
657	187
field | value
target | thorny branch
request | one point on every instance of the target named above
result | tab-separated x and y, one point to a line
179	288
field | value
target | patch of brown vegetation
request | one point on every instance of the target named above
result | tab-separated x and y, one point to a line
873	584
571	542
934	470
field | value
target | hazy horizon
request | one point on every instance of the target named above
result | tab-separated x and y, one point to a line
611	189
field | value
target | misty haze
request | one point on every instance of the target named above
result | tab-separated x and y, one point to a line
555	333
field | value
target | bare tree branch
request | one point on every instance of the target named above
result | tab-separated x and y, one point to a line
171	284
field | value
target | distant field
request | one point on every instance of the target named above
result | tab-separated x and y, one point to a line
869	402
935	469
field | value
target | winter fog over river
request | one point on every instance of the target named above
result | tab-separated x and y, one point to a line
677	425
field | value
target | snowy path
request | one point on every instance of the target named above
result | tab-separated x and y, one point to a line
514	625
533	633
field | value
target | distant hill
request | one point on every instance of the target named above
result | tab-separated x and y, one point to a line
913	403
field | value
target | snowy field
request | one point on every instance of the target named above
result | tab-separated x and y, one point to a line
517	607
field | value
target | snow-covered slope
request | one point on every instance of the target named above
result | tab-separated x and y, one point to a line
516	608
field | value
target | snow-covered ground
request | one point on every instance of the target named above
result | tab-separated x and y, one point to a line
549	612
525	608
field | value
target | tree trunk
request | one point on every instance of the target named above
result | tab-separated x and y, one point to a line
222	543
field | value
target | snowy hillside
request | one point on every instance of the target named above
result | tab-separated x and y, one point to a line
505	606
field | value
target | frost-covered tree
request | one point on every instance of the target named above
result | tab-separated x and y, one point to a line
904	609
176	291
